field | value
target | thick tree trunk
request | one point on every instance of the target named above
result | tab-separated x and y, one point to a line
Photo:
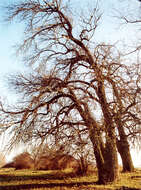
122	144
106	156
107	165
111	160
106	159
124	149
99	156
98	150
110	166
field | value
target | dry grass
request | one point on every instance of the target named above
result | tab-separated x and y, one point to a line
63	180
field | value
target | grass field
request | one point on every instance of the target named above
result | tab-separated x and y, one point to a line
61	180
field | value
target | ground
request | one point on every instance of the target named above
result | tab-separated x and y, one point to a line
63	180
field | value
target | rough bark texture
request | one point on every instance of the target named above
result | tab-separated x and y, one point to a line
106	155
109	171
106	159
122	144
123	149
111	161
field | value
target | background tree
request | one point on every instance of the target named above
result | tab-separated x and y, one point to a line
132	114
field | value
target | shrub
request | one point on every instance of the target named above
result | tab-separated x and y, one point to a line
58	162
45	163
23	161
9	165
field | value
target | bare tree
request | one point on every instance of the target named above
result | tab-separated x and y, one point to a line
76	79
58	117
130	109
71	51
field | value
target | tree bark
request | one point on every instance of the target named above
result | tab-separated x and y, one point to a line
122	144
106	159
111	160
106	155
124	149
110	166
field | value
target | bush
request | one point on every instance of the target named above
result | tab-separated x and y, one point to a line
58	162
23	161
9	165
45	163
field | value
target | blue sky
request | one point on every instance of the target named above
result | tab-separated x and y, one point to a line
109	31
10	34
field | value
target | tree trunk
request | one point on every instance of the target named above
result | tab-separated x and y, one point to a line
110	166
111	160
122	144
106	159
107	164
124	149
106	156
99	156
